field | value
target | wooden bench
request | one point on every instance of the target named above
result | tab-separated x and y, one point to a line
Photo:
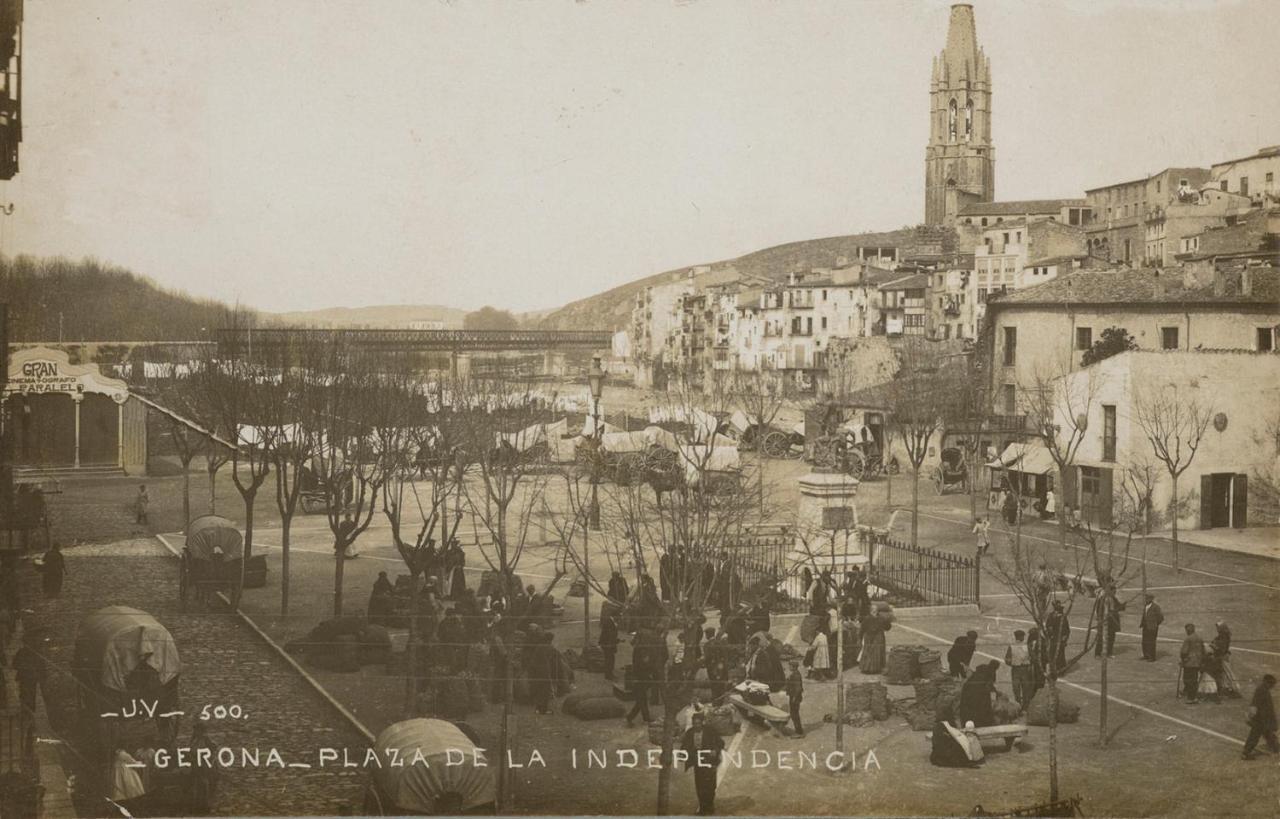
771	715
1011	733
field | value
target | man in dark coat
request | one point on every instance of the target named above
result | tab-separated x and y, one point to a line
1107	614
32	672
758	619
975	696
54	569
703	748
608	638
960	655
1262	718
1059	629
795	695
644	675
1152	617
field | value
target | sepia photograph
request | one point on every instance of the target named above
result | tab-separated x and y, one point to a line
639	408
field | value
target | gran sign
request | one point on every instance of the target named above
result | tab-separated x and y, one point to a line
43	370
42	375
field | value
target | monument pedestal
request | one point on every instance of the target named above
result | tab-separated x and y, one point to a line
826	527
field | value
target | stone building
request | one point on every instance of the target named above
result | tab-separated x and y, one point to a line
1117	213
985	214
1253	176
960	157
1239	390
904	306
1167	226
1017	254
1042	332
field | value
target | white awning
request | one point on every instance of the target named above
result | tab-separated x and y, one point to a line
1030	458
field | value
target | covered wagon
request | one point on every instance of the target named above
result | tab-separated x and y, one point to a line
212	560
126	667
437	772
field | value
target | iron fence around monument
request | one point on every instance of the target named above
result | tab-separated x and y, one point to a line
933	576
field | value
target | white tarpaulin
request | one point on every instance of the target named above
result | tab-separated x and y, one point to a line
704	423
661	437
436	759
739	421
624	442
114	641
698	459
525	439
1030	458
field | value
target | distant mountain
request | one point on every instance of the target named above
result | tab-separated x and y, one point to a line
612	309
389	316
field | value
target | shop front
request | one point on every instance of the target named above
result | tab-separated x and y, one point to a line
63	415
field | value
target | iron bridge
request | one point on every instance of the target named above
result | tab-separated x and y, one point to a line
235	342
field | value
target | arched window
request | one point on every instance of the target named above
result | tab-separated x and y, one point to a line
951	120
968	120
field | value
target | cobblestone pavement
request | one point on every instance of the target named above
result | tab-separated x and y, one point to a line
223	663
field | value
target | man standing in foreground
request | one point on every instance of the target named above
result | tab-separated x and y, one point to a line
1192	656
1262	718
703	747
1152	617
1018	658
795	695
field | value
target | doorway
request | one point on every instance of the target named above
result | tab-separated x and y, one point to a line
1224	500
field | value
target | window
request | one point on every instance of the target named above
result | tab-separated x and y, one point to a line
824	322
1010	346
968	120
1168	338
1108	432
913	320
1006	237
1271	177
951	120
1244	186
984	221
824	295
1009	399
1019	237
1222	185
982	295
1266	339
1084	338
1157	186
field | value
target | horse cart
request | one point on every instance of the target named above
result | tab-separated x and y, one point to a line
212	561
952	472
440	771
126	669
854	449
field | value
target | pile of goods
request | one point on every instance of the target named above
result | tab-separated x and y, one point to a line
906	664
588	707
724	720
938	693
871	698
1038	711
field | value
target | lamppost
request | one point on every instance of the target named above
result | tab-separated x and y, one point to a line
595	378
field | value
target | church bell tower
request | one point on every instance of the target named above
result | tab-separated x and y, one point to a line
960	160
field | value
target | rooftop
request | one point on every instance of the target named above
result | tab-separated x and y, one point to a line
1019	208
916	281
1143	286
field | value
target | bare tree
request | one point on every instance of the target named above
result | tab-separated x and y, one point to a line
1174	424
183	398
685	520
1266	475
496	429
1058	405
919	398
759	394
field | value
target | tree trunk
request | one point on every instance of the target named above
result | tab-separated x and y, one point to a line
411	653
1061	511
1102	706
285	525
840	683
504	736
186	493
973	489
1053	732
249	498
668	742
339	555
1173	504
213	492
915	505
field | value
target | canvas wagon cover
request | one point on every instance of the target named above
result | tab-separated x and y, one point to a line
112	642
620	442
415	787
210	532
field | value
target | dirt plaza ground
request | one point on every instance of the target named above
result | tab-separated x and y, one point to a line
1176	759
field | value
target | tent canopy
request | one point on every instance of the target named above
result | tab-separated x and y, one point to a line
114	641
414	787
1030	458
210	532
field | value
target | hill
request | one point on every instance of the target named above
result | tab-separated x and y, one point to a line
87	301
388	315
612	308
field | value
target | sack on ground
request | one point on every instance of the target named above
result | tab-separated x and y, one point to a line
1038	712
599	708
809	627
571	702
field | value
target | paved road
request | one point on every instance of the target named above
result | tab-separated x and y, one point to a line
223	662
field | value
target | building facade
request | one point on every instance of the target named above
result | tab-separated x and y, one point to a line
1256	177
960	156
1117	213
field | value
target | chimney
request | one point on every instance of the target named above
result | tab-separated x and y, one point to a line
1246	282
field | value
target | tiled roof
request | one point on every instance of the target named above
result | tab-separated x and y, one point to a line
1142	286
1019	207
916	281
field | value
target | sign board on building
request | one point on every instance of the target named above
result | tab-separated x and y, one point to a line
42	370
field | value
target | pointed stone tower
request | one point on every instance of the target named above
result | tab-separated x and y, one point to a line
960	159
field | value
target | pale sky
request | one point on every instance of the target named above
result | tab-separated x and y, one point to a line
296	154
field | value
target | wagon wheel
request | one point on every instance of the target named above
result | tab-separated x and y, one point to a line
775	444
856	465
629	469
892	467
939	480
